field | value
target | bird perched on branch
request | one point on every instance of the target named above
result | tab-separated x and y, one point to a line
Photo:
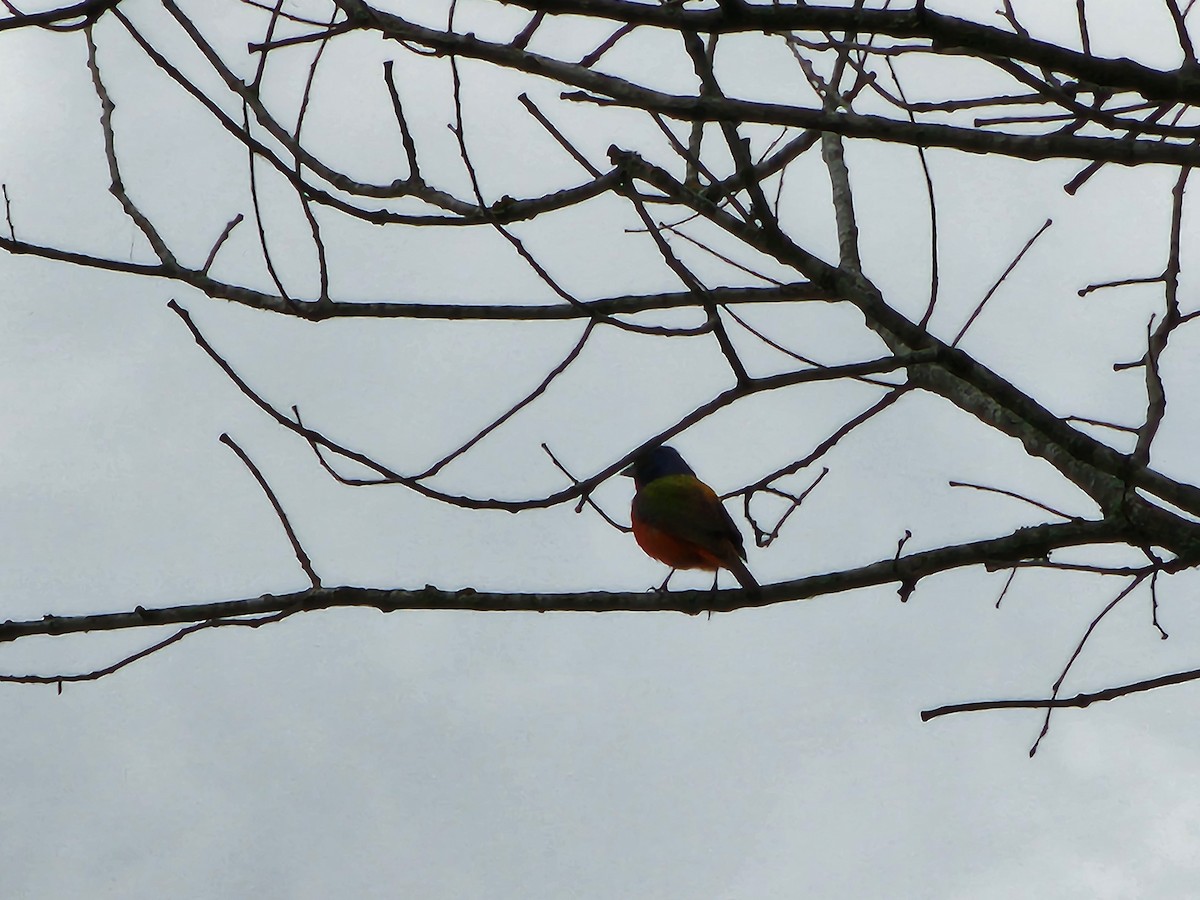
680	521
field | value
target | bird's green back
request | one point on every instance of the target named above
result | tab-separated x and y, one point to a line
689	509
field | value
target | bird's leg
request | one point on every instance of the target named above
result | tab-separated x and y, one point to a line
713	591
662	588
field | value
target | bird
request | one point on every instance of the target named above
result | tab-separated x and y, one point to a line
680	521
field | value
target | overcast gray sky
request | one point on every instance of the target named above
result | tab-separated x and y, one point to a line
770	753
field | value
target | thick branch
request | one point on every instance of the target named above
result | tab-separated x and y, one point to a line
1056	144
1034	542
943	32
1096	468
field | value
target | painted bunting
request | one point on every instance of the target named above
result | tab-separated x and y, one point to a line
680	521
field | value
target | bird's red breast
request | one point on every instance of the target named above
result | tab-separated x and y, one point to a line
675	552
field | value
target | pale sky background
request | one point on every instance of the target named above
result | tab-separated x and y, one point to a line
764	754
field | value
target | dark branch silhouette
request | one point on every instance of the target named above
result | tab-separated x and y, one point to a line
696	177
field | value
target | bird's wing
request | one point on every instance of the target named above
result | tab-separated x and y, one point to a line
687	508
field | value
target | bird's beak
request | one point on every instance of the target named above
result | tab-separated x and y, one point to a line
627	471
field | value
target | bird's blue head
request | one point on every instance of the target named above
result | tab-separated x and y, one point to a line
657	462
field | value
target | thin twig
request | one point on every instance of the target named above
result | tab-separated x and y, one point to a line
775	345
557	135
676	265
301	556
291	17
1181	31
999	281
314	226
1075	655
220	242
258	217
831	441
728	260
521	41
96	674
1085	38
1154	598
519	246
410	146
607	44
1101	424
1014	495
1120	282
117	185
328	31
763	538
8	212
572	355
585	498
1012	573
1156	339
933	218
695	167
256	82
1079	701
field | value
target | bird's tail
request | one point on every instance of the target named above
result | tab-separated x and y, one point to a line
742	574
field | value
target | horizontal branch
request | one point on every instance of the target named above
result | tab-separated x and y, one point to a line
1079	701
941	30
1025	543
611	89
74	15
316	311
